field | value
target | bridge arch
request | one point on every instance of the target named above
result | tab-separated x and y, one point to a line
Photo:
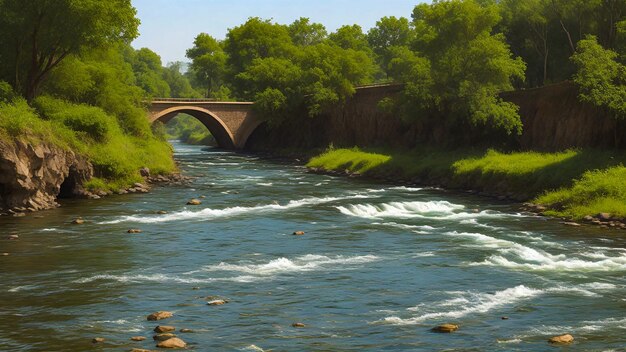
211	121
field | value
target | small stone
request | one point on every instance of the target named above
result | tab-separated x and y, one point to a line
588	218
298	233
571	223
161	212
137	338
163	337
185	331
13	237
139	185
160	315
566	338
604	216
4	254
217	302
202	197
196	288
164	328
134	231
194	202
97	340
78	221
505	318
19	215
140	350
298	325
446	328
172	343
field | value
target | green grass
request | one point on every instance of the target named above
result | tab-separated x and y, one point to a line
116	155
573	183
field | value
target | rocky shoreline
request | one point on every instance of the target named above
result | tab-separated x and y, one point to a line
603	220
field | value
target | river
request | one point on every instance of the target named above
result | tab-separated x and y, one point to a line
378	267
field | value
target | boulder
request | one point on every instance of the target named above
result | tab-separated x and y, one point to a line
298	325
164	328
137	338
134	231
604	216
194	202
172	343
97	340
78	221
561	339
298	233
160	315
34	175
217	302
163	337
446	328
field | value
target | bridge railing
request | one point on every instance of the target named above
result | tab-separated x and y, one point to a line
197	100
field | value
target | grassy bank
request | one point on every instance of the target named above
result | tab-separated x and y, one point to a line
572	183
115	154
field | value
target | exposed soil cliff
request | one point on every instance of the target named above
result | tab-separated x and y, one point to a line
33	176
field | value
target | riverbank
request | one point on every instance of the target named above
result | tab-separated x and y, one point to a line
51	149
574	185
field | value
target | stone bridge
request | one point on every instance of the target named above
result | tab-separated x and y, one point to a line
231	123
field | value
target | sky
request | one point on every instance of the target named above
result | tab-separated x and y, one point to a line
169	27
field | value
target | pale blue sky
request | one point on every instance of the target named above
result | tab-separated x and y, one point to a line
169	26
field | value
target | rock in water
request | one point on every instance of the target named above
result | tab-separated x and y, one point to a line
13	237
194	202
217	302
446	328
186	330
4	254
298	233
134	231
174	342
164	328
97	340
137	338
163	337
78	221
298	325
566	338
160	315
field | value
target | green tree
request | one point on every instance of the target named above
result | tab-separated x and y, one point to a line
149	73
389	33
256	39
37	35
208	65
179	84
304	33
601	78
458	66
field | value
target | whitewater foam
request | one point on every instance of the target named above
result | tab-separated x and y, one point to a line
469	303
465	303
400	209
308	262
209	213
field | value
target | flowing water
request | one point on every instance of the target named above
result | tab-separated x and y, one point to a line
378	267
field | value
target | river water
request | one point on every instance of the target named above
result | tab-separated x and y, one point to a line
378	267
